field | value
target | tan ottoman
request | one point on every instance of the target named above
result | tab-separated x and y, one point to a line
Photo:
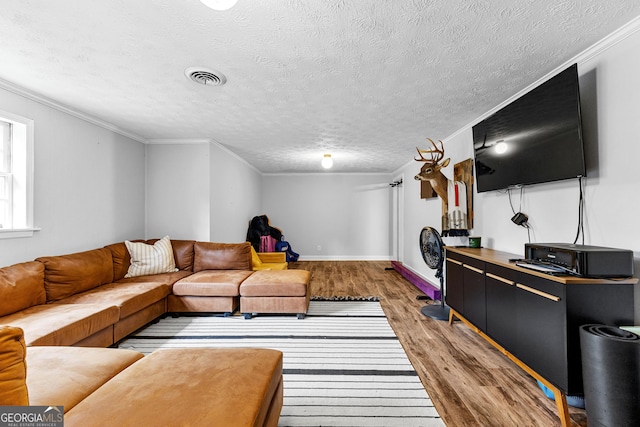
275	291
189	387
66	375
207	291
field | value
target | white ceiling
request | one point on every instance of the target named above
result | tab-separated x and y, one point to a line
365	80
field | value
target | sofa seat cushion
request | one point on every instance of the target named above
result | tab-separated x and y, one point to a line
274	283
200	386
66	275
128	297
166	278
62	324
66	375
21	286
223	283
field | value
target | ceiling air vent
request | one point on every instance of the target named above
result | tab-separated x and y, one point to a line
205	76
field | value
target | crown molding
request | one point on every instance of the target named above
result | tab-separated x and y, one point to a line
326	173
235	156
586	55
48	102
209	141
167	141
627	30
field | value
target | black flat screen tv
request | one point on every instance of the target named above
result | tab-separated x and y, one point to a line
536	138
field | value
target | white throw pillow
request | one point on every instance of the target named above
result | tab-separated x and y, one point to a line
150	259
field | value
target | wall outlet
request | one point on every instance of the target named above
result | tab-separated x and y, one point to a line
318	248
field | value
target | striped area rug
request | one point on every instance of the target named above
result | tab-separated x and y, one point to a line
343	364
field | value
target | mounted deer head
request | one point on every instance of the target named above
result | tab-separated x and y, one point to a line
431	169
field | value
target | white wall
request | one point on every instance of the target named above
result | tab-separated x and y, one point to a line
418	213
199	191
89	184
346	215
331	216
235	196
610	89
178	191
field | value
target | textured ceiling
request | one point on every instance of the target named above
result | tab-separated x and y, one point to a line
364	80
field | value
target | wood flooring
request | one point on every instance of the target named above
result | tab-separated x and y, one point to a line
470	383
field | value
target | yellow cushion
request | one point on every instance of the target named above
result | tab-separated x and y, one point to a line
272	257
268	260
255	259
13	368
271	266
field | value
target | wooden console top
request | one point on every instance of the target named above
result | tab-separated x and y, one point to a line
502	259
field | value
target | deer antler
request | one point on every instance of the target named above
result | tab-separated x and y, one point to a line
436	153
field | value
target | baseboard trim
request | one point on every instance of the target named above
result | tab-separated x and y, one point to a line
344	258
424	285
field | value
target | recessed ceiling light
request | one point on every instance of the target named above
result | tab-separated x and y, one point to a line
219	4
205	76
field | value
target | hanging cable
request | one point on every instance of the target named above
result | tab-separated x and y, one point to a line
580	230
510	202
525	224
520	202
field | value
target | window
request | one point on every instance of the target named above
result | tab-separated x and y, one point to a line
6	177
16	176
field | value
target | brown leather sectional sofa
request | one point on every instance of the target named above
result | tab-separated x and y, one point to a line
85	300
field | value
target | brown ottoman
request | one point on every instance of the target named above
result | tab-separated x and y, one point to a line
189	387
275	291
66	375
207	291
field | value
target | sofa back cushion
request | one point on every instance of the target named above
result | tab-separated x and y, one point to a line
66	275
148	259
183	253
13	367
121	259
222	256
21	286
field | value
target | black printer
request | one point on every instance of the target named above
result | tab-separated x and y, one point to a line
582	260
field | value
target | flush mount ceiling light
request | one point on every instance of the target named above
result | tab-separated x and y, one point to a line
327	161
219	4
205	76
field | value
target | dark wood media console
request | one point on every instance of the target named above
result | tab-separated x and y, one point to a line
532	317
